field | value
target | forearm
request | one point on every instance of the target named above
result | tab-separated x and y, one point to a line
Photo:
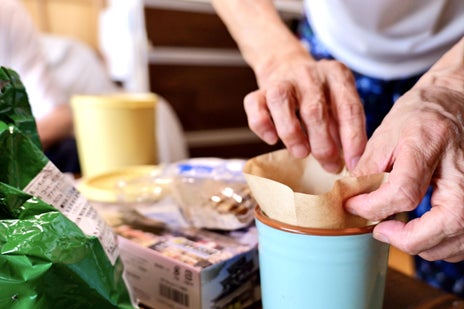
258	29
55	126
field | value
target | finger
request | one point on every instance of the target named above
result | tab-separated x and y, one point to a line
403	189
259	118
321	127
282	103
400	235
451	250
454	259
434	235
348	111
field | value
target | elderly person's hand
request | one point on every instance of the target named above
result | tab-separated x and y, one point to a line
421	142
312	106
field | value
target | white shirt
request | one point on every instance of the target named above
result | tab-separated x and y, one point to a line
387	39
20	50
76	66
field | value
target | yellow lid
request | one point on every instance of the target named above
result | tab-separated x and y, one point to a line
116	100
104	187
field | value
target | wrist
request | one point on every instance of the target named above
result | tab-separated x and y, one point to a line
263	61
448	71
451	78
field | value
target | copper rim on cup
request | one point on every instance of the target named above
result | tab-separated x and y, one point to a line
263	218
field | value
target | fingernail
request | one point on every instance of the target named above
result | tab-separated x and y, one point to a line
299	151
332	167
270	137
350	210
354	161
381	237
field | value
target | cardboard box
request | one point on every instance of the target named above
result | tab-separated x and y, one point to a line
191	268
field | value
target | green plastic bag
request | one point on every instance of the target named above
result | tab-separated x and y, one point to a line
55	250
14	104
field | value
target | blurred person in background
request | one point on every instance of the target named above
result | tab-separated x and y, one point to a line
52	69
384	82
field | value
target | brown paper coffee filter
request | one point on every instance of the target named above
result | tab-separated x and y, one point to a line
300	192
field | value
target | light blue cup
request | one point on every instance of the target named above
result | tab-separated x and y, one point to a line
303	268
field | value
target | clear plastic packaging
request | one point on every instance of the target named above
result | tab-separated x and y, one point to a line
209	192
145	189
212	193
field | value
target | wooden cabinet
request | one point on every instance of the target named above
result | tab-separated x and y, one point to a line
195	64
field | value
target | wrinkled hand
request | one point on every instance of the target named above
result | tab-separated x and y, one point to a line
420	142
312	106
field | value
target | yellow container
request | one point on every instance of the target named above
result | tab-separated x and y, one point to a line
114	131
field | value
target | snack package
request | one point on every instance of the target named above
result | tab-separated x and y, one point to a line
55	251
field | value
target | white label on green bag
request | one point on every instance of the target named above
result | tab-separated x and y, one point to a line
58	190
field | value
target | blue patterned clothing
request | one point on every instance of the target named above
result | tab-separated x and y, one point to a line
378	96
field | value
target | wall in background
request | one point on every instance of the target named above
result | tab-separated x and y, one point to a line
75	18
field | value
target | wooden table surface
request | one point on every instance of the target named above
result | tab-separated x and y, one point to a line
405	292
